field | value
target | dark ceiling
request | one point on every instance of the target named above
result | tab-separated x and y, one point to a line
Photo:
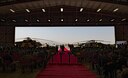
8	2
71	14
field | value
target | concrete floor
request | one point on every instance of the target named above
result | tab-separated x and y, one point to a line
19	74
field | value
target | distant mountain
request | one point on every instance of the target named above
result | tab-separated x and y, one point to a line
54	43
42	41
91	41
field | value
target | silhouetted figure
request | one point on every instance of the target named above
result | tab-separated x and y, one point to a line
61	53
124	73
62	48
8	62
71	46
56	49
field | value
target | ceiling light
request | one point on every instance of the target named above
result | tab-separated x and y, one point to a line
27	10
49	20
88	20
62	19
43	10
81	9
115	9
26	20
14	20
99	10
12	10
112	19
76	20
38	20
2	20
100	20
61	9
123	19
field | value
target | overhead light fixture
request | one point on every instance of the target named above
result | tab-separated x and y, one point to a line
12	10
43	10
112	19
27	10
99	10
38	20
115	9
62	20
49	20
123	19
14	20
26	20
88	20
81	9
76	20
2	20
61	9
100	20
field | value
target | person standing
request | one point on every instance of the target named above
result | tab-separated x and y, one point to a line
61	53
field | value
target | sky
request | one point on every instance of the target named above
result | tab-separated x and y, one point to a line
67	34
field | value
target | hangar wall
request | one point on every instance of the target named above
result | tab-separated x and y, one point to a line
121	32
7	35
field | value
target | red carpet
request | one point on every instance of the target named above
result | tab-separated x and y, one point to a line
65	59
65	69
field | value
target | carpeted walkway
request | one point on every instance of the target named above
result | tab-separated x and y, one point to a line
66	71
65	59
55	69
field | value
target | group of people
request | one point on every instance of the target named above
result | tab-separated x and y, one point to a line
109	62
26	59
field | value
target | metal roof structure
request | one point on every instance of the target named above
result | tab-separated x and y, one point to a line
52	13
63	12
